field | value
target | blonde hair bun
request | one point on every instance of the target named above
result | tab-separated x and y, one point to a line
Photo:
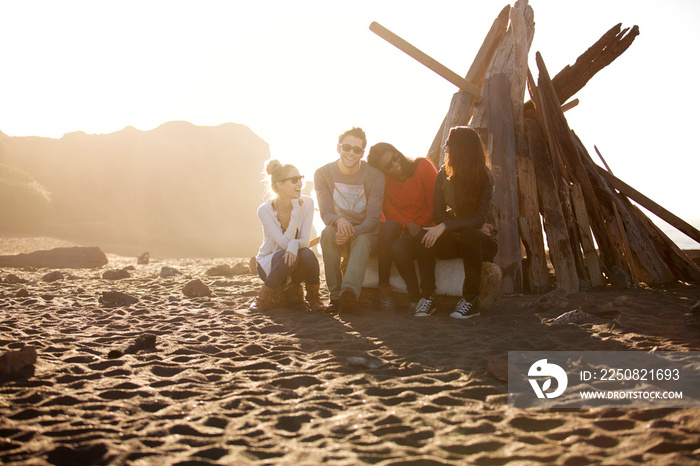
272	166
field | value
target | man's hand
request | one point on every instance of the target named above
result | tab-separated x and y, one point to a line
433	233
341	239
486	228
289	258
344	227
413	229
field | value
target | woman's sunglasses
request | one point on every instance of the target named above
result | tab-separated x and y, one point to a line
390	164
293	179
356	149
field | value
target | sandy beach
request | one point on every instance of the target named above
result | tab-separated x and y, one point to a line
224	385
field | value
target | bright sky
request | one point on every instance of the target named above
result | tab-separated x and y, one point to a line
300	72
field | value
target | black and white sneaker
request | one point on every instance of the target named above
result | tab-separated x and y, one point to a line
425	307
465	309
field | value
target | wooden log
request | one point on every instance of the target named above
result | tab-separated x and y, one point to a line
622	233
593	264
569	105
535	266
567	207
572	79
650	266
651	206
511	59
475	75
505	202
554	224
425	59
682	267
560	131
561	175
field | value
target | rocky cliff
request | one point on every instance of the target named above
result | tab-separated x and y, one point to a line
177	190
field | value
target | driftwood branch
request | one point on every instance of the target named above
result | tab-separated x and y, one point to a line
574	77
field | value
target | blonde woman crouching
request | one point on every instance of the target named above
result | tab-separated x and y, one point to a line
284	260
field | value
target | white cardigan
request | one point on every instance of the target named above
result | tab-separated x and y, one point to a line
296	236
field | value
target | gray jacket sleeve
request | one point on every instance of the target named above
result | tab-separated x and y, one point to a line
324	196
374	184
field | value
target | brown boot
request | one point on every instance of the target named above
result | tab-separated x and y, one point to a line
264	301
313	297
294	295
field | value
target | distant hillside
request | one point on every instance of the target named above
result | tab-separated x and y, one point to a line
178	190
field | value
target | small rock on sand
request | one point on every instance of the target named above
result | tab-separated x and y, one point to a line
196	289
117	298
14	361
166	272
52	277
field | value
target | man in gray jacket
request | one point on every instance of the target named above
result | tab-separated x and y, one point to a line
350	194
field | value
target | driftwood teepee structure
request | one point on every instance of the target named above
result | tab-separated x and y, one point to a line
546	180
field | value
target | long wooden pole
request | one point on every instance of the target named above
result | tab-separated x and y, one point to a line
650	205
425	59
623	234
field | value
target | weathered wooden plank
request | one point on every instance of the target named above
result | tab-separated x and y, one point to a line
651	206
592	262
682	267
562	176
554	223
500	124
560	132
611	45
425	59
650	266
535	267
622	233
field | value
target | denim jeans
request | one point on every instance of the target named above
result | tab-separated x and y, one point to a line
305	269
357	250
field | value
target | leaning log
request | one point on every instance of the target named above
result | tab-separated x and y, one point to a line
651	206
651	267
572	79
505	202
425	59
58	258
554	223
559	129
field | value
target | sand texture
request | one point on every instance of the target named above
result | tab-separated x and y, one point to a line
222	385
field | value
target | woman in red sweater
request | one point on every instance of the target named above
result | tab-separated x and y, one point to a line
408	207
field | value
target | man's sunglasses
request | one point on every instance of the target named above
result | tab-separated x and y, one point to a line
293	179
356	149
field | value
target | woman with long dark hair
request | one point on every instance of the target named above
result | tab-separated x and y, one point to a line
461	210
409	187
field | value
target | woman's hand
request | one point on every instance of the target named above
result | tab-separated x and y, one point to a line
413	229
289	258
433	233
486	228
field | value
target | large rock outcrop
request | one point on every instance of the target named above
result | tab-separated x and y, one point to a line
177	190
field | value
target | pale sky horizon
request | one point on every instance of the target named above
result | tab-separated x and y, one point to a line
299	73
